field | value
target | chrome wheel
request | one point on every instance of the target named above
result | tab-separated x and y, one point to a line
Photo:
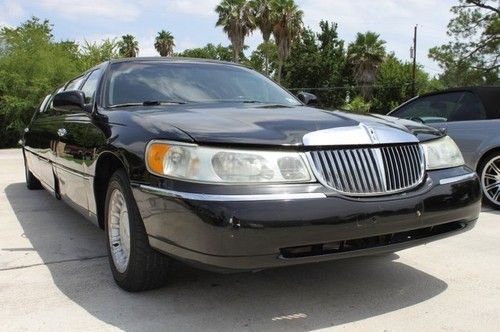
119	230
490	180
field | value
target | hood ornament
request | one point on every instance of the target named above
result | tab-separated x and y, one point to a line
371	133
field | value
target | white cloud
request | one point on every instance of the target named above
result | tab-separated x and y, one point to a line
185	43
116	9
193	7
10	12
147	45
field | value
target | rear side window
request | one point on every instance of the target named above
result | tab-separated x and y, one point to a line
74	84
469	108
46	106
445	107
490	97
45	102
90	86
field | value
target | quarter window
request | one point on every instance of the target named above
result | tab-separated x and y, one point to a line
90	86
445	107
469	108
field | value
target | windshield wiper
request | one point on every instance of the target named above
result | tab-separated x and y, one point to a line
148	103
251	101
162	102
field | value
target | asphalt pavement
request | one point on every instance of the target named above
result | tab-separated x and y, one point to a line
54	275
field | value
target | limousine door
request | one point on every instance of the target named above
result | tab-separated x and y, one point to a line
74	151
39	140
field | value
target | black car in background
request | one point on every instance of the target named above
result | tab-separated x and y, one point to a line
471	116
216	165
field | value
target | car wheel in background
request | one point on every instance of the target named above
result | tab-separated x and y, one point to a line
489	172
135	265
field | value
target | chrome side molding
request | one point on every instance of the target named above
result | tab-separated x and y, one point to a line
457	178
228	198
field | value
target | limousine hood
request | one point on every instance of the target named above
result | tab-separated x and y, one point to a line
270	125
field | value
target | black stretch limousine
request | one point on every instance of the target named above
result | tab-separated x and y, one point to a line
214	164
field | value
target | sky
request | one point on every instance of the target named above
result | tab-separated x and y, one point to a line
192	22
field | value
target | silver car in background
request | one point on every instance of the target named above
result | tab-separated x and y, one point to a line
471	116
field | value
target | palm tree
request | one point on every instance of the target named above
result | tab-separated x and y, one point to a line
237	20
366	53
128	47
164	43
287	19
262	13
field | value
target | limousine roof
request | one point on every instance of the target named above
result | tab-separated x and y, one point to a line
171	59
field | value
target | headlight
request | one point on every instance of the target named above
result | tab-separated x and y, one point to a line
442	153
219	165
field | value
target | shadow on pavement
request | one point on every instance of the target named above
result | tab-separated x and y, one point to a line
310	296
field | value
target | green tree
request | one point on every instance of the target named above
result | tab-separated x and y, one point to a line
472	56
318	61
366	53
334	65
264	58
164	43
393	84
357	105
303	66
237	20
32	64
128	47
93	53
210	51
287	18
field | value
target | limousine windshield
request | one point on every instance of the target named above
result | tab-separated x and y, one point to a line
152	83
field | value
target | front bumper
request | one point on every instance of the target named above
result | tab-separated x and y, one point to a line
250	232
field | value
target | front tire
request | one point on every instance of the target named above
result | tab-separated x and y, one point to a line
134	264
489	172
31	181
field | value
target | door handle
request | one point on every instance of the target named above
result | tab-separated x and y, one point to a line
62	132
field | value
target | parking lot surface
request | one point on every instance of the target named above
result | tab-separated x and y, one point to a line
54	275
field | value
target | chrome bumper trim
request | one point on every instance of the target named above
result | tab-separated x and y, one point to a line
228	198
457	178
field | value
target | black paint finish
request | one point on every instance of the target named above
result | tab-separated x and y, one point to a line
67	151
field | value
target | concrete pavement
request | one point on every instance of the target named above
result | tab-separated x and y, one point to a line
54	276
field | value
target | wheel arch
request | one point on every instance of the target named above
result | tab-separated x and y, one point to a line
485	156
106	165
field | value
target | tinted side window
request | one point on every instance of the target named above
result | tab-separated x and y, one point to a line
74	84
45	102
469	107
48	110
490	98
435	108
90	86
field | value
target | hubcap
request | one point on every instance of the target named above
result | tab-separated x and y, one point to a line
119	230
491	180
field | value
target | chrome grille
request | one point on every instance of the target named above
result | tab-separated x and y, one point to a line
370	171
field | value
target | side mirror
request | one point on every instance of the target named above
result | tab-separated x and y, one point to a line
307	98
69	101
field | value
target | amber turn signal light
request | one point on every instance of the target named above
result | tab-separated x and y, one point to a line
155	157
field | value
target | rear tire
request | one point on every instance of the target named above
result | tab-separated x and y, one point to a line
489	172
134	264
31	181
